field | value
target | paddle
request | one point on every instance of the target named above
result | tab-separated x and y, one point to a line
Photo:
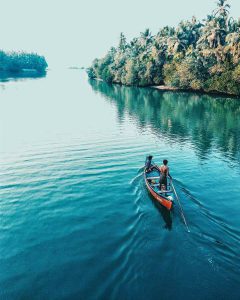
181	210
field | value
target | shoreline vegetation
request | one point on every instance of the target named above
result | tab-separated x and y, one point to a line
200	56
17	64
165	88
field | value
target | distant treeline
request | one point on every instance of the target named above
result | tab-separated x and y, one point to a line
14	62
197	55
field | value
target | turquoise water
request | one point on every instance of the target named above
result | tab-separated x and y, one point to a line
76	220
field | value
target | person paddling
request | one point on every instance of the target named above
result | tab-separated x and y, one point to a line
164	169
148	163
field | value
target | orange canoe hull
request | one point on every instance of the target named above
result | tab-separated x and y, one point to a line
161	199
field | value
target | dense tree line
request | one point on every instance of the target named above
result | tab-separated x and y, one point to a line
195	55
19	61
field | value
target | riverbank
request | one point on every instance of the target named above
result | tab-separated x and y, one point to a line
165	88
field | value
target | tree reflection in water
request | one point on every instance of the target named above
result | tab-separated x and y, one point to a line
208	122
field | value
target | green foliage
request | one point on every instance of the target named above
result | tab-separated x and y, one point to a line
170	75
18	61
91	73
227	82
195	55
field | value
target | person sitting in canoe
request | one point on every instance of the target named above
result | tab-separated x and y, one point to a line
164	169
148	163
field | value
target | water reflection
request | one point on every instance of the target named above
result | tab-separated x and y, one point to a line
17	76
208	122
166	214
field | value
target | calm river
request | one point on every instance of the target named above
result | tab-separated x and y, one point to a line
76	221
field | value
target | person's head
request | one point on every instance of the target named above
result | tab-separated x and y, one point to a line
150	157
165	162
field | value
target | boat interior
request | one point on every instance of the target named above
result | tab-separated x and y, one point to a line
153	178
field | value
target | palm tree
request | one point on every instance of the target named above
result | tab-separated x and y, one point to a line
233	25
122	42
233	46
212	35
222	9
221	13
145	38
176	45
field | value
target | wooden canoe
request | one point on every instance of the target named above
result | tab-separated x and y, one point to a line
152	183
